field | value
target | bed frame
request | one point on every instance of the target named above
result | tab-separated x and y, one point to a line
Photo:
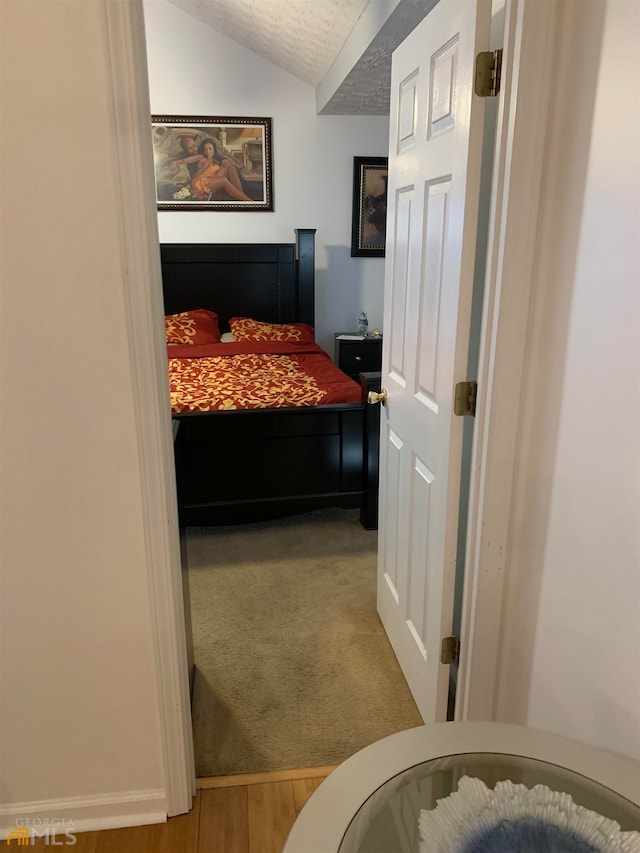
243	466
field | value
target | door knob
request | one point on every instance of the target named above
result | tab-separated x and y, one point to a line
378	397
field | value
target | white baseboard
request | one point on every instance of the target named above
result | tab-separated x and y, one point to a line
104	811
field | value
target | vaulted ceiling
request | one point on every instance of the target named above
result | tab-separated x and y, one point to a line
301	36
341	47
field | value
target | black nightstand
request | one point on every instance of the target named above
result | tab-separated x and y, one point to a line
358	356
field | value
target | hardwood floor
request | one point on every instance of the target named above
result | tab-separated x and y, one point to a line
230	814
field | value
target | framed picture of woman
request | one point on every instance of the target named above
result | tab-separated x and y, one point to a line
212	163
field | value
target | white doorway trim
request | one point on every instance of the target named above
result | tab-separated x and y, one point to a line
140	258
526	95
527	92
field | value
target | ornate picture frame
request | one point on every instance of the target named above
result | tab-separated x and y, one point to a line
369	215
212	163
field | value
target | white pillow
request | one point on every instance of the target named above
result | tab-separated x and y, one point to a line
227	338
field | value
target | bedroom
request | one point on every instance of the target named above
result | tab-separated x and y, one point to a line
81	658
312	170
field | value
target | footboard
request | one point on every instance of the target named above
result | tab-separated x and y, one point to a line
243	466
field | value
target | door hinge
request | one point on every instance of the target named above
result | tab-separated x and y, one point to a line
465	399
450	650
488	71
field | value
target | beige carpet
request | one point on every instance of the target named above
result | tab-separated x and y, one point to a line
293	668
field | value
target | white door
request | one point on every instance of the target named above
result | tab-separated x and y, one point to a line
433	189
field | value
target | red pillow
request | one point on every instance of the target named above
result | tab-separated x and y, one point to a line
199	326
246	329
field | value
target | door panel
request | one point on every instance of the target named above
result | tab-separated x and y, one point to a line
399	287
434	169
391	475
431	291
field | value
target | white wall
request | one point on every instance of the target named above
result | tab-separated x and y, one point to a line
572	644
79	708
194	70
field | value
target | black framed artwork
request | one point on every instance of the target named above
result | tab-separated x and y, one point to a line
212	163
369	215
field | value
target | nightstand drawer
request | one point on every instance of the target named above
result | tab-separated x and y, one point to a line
354	357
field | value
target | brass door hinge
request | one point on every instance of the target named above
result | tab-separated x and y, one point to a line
488	71
464	402
450	650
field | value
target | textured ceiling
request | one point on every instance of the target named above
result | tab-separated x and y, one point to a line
301	36
366	89
304	37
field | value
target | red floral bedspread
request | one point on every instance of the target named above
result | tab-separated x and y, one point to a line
252	375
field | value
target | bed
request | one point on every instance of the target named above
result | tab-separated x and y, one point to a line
236	465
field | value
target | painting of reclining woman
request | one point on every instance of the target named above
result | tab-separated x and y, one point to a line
212	164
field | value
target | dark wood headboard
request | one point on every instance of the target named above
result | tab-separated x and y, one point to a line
273	282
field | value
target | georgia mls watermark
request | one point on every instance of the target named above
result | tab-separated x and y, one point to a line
57	831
